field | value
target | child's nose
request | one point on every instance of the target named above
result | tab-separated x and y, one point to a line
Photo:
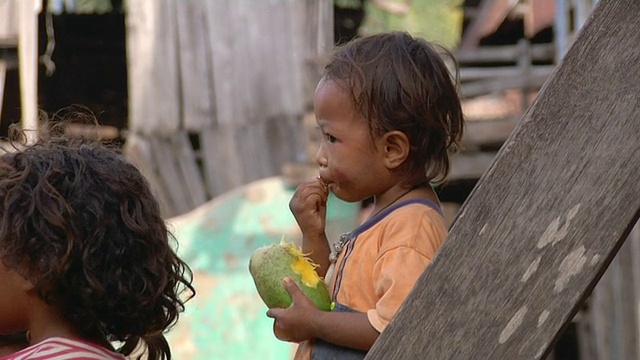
321	158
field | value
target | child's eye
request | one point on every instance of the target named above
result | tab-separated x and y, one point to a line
330	138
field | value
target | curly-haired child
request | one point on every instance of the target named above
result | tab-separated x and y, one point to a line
390	115
87	266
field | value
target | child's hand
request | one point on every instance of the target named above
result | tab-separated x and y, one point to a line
309	207
294	324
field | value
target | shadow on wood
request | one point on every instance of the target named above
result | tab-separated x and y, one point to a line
546	219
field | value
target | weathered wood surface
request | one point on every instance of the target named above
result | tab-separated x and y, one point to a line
233	75
196	65
504	53
478	80
547	217
608	327
8	23
152	67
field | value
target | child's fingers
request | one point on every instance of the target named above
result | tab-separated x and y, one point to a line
317	187
292	288
323	184
314	193
274	313
280	333
308	198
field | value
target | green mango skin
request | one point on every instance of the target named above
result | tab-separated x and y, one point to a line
269	265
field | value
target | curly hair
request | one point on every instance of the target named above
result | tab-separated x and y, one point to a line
398	82
82	224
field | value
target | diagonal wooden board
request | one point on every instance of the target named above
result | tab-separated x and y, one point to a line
547	217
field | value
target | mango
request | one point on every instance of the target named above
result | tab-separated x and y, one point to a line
270	264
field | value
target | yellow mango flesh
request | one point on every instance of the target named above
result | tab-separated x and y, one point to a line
270	264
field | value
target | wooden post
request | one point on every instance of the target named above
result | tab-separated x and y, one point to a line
8	42
561	29
28	59
524	64
547	217
3	73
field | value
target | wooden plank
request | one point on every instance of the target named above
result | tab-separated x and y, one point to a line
164	160
221	24
3	76
546	219
194	61
483	87
473	73
185	157
625	304
9	23
289	103
28	63
634	249
277	28
609	326
259	70
152	63
504	53
270	145
245	70
255	151
584	334
487	133
138	150
526	71
318	35
296	17
257	55
470	165
220	146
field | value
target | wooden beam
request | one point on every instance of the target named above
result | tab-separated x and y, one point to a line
504	53
470	165
3	75
474	73
546	219
487	133
483	87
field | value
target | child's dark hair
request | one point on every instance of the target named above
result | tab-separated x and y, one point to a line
399	82
81	223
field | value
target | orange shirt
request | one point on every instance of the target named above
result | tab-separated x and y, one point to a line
385	256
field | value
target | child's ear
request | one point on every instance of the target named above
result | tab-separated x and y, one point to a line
16	278
25	283
396	147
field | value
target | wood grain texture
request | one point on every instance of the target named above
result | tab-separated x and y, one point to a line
233	75
547	217
608	324
153	67
195	99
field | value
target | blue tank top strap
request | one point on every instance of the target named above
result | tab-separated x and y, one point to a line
369	223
